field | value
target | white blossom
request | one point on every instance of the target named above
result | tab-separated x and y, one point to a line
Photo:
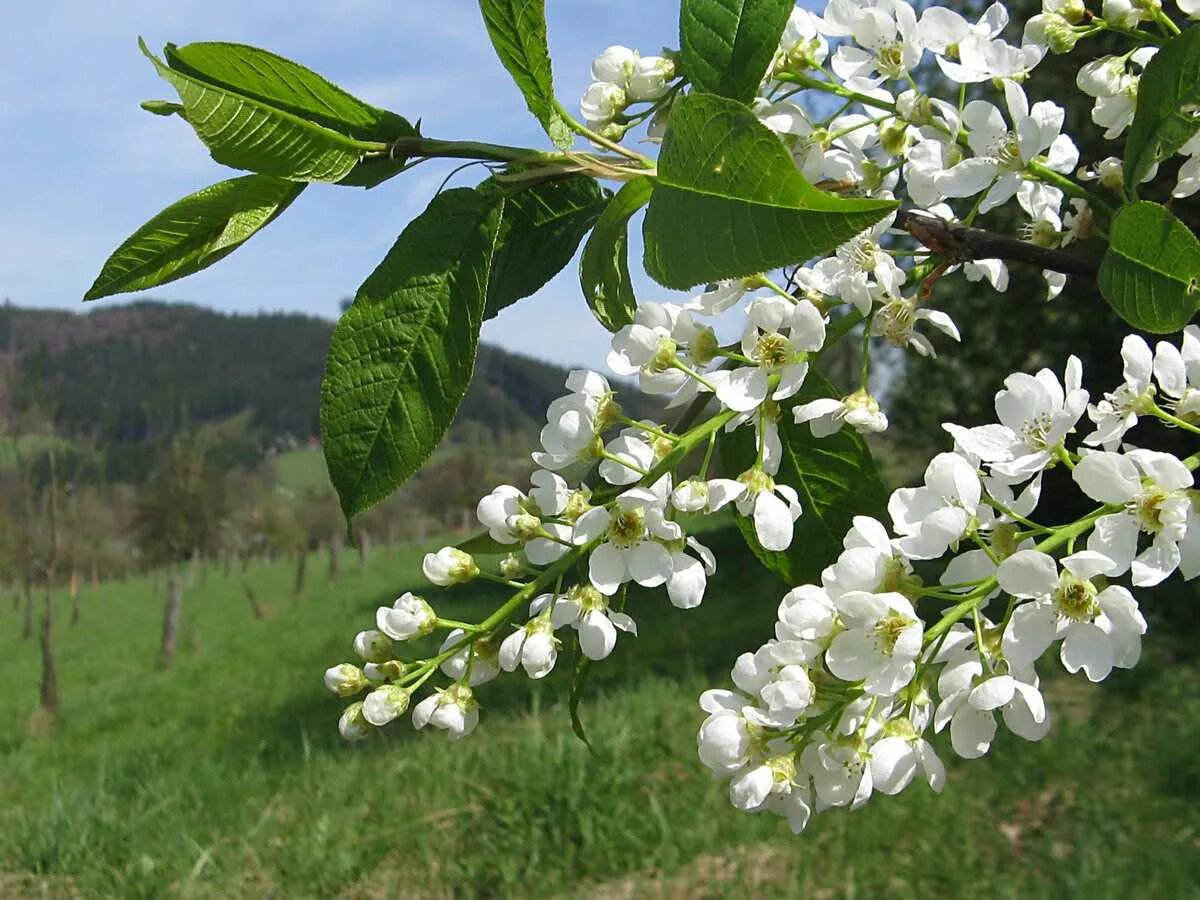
454	710
880	643
1099	629
408	617
1152	488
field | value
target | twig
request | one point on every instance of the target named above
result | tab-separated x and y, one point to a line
963	244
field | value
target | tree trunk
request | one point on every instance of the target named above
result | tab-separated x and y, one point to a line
364	547
252	596
171	618
301	570
49	672
335	552
27	631
95	574
76	611
391	535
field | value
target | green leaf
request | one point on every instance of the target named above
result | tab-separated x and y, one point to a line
539	233
1167	114
835	477
604	267
246	133
730	201
287	85
401	356
1151	272
518	32
483	544
162	107
579	676
727	45
194	233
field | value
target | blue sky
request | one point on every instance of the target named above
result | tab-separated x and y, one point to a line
81	166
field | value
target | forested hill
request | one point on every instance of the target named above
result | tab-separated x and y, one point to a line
141	373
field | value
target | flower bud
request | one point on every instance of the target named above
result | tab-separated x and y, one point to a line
690	495
893	137
409	617
352	725
704	346
384	704
377	672
345	680
513	566
526	527
601	102
863	413
614	65
650	78
1061	37
449	566
373	646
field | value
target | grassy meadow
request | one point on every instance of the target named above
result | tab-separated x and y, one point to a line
223	776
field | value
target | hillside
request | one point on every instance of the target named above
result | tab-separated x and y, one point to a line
128	376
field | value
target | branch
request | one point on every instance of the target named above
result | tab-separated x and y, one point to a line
963	244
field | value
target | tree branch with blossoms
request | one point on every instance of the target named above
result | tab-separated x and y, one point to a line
858	151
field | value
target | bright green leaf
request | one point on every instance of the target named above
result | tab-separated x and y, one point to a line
730	201
1151	272
604	267
727	45
835	477
579	676
245	133
518	32
194	233
401	356
539	233
1168	106
287	85
162	107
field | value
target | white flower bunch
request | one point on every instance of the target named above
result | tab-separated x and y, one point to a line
867	667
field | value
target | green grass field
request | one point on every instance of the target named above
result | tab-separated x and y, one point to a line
224	777
302	469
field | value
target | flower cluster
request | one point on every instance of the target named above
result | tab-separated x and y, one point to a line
866	666
841	702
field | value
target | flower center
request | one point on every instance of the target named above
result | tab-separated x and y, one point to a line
627	527
1035	430
859	254
1008	152
1147	509
774	351
891	59
888	631
896	320
1075	598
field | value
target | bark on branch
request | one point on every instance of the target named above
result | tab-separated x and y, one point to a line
963	244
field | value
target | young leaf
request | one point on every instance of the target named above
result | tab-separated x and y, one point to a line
518	32
1151	272
193	233
401	356
579	676
604	267
835	477
727	45
1168	95
730	202
283	84
539	233
245	133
